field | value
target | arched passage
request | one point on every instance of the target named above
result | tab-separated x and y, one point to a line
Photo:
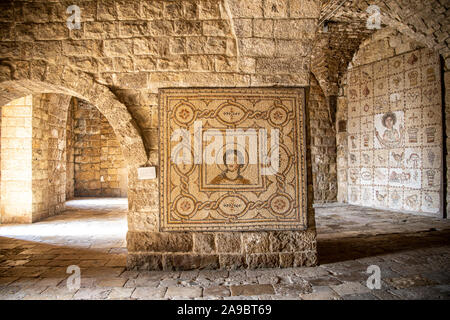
115	112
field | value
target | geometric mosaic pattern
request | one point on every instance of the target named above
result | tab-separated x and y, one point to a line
219	196
395	133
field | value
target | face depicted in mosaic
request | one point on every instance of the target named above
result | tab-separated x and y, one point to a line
389	120
391	137
233	161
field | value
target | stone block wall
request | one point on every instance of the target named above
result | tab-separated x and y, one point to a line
70	173
33	160
323	145
49	154
1	164
224	250
98	165
16	159
58	106
40	160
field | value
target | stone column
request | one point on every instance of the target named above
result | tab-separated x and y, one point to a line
16	162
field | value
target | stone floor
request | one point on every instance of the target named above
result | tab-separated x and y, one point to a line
413	253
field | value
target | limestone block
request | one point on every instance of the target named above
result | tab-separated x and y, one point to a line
304	9
289	241
189	28
219	28
209	9
263	28
232	261
254	47
263	260
190	261
147	46
106	10
204	243
294	29
229	242
144	261
159	242
82	47
128	10
152	10
243	28
134	28
256	242
276	8
280	65
118	47
246	9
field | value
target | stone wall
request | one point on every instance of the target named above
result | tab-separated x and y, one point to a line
49	154
33	158
16	158
1	164
99	167
225	250
323	145
40	157
70	164
58	106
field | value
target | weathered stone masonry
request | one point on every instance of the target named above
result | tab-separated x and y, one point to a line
98	165
33	159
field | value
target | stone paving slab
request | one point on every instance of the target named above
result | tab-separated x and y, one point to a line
252	290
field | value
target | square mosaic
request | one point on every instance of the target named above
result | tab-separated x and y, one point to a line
217	195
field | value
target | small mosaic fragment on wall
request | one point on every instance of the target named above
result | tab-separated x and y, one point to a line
395	133
221	195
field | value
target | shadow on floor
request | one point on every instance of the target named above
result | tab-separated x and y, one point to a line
350	248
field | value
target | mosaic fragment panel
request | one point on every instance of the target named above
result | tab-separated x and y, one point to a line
395	133
203	195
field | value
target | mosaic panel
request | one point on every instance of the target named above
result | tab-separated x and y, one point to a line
395	133
241	195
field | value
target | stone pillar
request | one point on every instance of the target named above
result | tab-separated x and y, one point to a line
40	166
33	158
16	161
69	154
151	249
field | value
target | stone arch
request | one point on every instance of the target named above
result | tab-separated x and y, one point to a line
115	112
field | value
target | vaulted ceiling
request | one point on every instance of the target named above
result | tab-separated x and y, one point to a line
343	27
